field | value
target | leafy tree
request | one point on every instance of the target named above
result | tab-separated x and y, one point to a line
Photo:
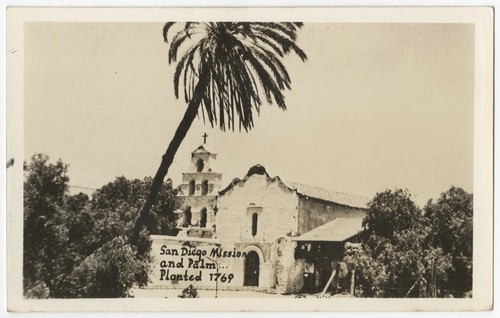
76	202
110	271
125	197
450	220
371	276
396	257
75	247
45	187
223	72
391	212
94	231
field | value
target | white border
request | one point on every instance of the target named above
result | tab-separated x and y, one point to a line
482	163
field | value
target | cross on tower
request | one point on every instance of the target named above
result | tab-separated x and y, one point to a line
205	138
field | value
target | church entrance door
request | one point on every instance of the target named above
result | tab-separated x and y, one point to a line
252	268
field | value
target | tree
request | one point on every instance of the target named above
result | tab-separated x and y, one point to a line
108	272
450	219
45	187
76	247
390	212
370	275
223	72
115	206
396	257
108	265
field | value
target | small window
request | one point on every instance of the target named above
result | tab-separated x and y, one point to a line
203	217
255	218
199	165
191	187
204	187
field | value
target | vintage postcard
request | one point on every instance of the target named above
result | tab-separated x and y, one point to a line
250	159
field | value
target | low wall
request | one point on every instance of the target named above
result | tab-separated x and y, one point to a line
203	263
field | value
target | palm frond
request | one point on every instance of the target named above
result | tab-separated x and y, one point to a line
285	29
240	62
269	43
167	27
177	41
286	44
184	64
274	64
270	88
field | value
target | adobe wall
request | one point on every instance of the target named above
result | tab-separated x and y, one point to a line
314	212
197	203
209	160
278	210
289	271
213	178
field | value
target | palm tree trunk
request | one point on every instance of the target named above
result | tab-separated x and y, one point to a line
168	157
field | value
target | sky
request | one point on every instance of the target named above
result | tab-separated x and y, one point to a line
375	106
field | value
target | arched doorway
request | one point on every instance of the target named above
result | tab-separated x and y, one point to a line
252	269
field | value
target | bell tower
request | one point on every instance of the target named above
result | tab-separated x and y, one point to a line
197	198
201	179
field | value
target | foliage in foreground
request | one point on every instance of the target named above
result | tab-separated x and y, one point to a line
409	253
189	292
79	247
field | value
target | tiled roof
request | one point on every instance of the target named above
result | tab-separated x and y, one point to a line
342	198
337	230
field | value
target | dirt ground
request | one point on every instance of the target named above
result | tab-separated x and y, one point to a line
174	293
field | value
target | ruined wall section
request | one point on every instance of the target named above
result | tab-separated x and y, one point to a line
289	271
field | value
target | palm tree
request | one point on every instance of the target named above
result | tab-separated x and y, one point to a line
224	72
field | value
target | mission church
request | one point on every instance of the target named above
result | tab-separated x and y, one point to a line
259	232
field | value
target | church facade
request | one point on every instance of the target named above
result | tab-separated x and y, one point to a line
259	232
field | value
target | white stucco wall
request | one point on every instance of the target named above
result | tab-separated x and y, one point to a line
279	214
165	264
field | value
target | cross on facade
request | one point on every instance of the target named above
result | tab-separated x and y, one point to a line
205	138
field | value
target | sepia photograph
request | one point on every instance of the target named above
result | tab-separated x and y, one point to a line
317	159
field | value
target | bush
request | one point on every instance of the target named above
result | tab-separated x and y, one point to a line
189	292
108	272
